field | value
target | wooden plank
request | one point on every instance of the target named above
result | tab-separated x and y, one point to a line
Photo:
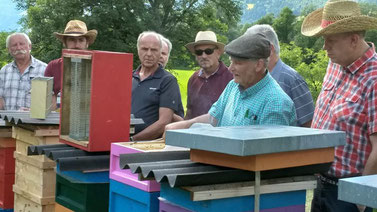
69	139
219	191
46	132
41	97
257	191
35	161
6	132
264	161
37	181
33	198
82	56
7	142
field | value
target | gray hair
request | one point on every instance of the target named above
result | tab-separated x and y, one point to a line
167	41
267	31
17	33
146	33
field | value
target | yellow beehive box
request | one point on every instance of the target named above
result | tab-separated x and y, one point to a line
41	97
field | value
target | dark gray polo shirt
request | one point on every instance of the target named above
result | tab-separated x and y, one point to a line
158	90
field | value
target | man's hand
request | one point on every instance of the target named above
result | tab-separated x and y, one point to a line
361	208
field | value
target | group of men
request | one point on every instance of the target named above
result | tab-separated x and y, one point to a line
257	88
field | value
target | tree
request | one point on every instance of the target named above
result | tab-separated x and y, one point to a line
4	55
284	25
119	22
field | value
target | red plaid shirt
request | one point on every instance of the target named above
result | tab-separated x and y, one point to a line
348	102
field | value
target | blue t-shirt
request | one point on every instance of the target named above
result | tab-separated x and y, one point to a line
296	88
264	103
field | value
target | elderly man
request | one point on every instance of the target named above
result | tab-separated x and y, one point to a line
289	79
165	52
348	99
205	85
253	97
15	77
75	36
155	92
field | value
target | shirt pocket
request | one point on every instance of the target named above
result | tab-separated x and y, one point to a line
350	110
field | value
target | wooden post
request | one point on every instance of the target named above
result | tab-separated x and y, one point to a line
257	191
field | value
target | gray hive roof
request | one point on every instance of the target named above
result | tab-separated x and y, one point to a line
71	158
176	169
23	117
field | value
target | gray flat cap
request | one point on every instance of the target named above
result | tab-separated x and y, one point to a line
249	46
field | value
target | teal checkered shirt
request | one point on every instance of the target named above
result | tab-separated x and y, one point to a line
264	103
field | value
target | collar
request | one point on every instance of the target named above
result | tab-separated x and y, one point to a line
33	63
257	87
357	64
278	65
219	70
157	74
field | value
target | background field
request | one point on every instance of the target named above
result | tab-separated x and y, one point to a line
182	76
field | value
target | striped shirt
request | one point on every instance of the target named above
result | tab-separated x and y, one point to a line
264	103
348	102
296	88
15	87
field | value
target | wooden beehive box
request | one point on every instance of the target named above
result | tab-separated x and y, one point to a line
41	97
96	99
258	148
34	188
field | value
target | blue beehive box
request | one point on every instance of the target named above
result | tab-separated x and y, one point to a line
293	201
127	198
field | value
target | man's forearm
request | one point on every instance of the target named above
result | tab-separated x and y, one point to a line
151	132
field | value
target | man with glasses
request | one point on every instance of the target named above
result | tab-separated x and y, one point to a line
206	84
253	97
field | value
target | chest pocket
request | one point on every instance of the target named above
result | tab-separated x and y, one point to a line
349	110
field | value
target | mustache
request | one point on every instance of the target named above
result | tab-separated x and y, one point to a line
19	52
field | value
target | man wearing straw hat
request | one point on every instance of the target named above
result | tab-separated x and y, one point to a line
75	36
253	97
205	85
348	99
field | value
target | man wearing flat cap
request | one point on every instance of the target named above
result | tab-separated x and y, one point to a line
348	99
253	97
205	85
75	36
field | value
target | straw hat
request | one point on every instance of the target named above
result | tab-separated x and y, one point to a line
205	37
336	17
76	28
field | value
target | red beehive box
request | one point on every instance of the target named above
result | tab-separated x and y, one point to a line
96	98
7	169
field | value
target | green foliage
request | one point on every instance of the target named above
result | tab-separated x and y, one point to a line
313	72
4	55
119	22
284	25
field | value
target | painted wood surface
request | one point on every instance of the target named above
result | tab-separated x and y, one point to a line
254	140
359	190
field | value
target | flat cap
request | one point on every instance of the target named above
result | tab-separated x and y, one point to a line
249	46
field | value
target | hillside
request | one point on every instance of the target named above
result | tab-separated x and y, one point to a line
255	9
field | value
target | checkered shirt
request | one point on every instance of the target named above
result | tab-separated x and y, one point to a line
348	102
14	87
264	103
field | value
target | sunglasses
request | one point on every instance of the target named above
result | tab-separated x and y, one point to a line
199	52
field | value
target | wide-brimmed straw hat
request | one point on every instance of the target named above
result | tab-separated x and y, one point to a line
76	28
337	16
205	37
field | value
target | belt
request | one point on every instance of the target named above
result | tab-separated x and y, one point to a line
328	180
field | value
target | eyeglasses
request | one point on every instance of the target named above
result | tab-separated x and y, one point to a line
199	52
